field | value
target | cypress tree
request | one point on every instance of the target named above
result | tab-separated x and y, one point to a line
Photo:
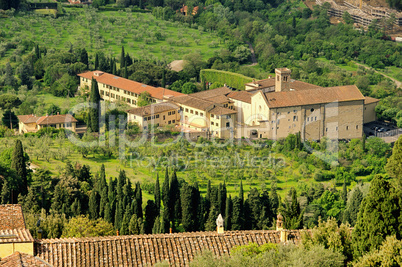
19	165
133	226
344	192
163	83
394	164
254	203
84	57
124	229
188	209
157	194
125	72
103	192
108	215
165	192
138	198
175	205
118	215
76	207
94	205
379	216
156	229
210	225
122	58
166	203
274	200
292	213
352	210
94	110
96	61
5	193
237	216
121	181
228	213
151	212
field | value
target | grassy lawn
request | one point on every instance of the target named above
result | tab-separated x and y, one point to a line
141	34
348	67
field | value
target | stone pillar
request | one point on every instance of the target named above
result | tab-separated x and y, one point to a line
219	224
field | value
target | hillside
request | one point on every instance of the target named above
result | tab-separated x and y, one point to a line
143	36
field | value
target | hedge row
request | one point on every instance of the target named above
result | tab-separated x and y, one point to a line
231	79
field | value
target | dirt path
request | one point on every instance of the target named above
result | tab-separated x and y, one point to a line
398	83
253	57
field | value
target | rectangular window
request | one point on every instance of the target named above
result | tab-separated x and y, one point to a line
308	119
164	117
169	122
196	113
212	115
212	123
157	116
217	117
191	111
347	127
278	121
357	127
217	125
315	118
173	121
145	118
227	124
169	113
294	118
228	117
201	114
326	129
186	109
173	112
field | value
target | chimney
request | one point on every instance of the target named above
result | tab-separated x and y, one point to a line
282	80
219	224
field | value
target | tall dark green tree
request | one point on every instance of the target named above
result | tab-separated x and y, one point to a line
151	212
118	217
96	61
138	199
189	203
394	164
237	214
94	205
124	229
379	217
84	57
94	110
175	205
157	194
352	209
18	163
5	193
103	189
122	58
292	213
228	213
166	202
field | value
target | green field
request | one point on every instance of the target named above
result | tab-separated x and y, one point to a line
141	34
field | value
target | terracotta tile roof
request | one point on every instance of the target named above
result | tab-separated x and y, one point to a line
47	120
222	111
221	91
140	250
18	259
220	99
315	96
193	102
15	236
55	119
128	85
25	118
294	84
241	95
369	100
153	109
11	217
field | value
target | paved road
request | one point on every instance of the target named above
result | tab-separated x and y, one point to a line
398	83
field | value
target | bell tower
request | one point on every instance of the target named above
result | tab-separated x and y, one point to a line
282	80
